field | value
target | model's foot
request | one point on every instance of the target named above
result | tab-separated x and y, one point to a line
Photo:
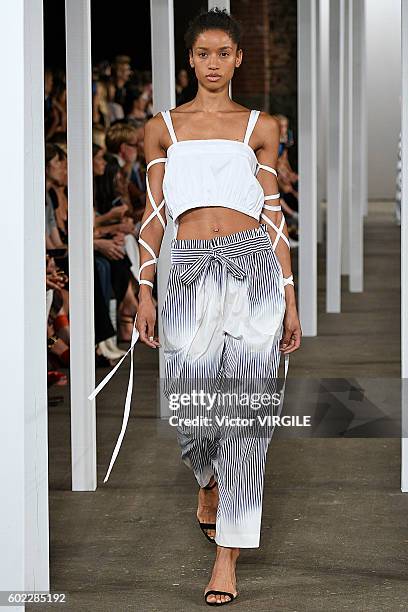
207	506
223	575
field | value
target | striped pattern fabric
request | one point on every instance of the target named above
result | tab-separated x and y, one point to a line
222	321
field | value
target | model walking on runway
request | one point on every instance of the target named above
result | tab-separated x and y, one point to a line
230	310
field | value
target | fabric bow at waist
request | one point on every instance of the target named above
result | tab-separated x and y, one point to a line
201	261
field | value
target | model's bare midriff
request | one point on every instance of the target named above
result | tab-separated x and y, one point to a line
210	221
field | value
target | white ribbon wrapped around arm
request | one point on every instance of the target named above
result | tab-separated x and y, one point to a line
135	333
278	230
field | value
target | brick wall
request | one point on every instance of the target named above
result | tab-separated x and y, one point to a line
283	56
267	78
251	83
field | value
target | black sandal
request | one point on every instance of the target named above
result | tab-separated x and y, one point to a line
205	526
222	603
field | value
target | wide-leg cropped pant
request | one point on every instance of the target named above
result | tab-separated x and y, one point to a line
222	321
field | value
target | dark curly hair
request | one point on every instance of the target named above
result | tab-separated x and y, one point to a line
215	19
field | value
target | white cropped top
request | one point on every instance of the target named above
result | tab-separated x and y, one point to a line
214	172
210	172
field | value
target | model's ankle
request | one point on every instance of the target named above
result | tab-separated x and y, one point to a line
227	551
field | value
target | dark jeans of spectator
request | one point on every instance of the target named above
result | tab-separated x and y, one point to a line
103	324
102	267
120	274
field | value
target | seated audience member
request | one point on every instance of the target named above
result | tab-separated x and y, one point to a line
137	178
146	86
54	176
121	72
98	135
116	112
135	109
48	85
110	239
56	236
100	108
123	149
59	191
55	119
57	324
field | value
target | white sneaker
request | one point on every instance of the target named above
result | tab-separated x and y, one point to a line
108	352
112	345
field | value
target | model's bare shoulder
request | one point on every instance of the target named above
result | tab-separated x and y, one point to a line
154	126
268	126
154	133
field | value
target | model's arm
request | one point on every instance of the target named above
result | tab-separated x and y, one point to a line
267	156
152	228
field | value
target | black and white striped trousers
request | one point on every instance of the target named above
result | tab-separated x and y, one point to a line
222	322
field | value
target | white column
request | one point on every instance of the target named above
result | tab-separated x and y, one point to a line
13	309
334	158
404	246
79	106
307	166
35	389
364	110
346	183
356	210
321	111
164	97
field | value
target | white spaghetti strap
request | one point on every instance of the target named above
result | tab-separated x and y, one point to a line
169	123
253	117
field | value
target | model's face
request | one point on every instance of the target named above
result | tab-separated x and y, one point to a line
214	58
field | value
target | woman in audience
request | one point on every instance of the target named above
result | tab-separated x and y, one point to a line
109	237
55	281
135	109
55	104
101	109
